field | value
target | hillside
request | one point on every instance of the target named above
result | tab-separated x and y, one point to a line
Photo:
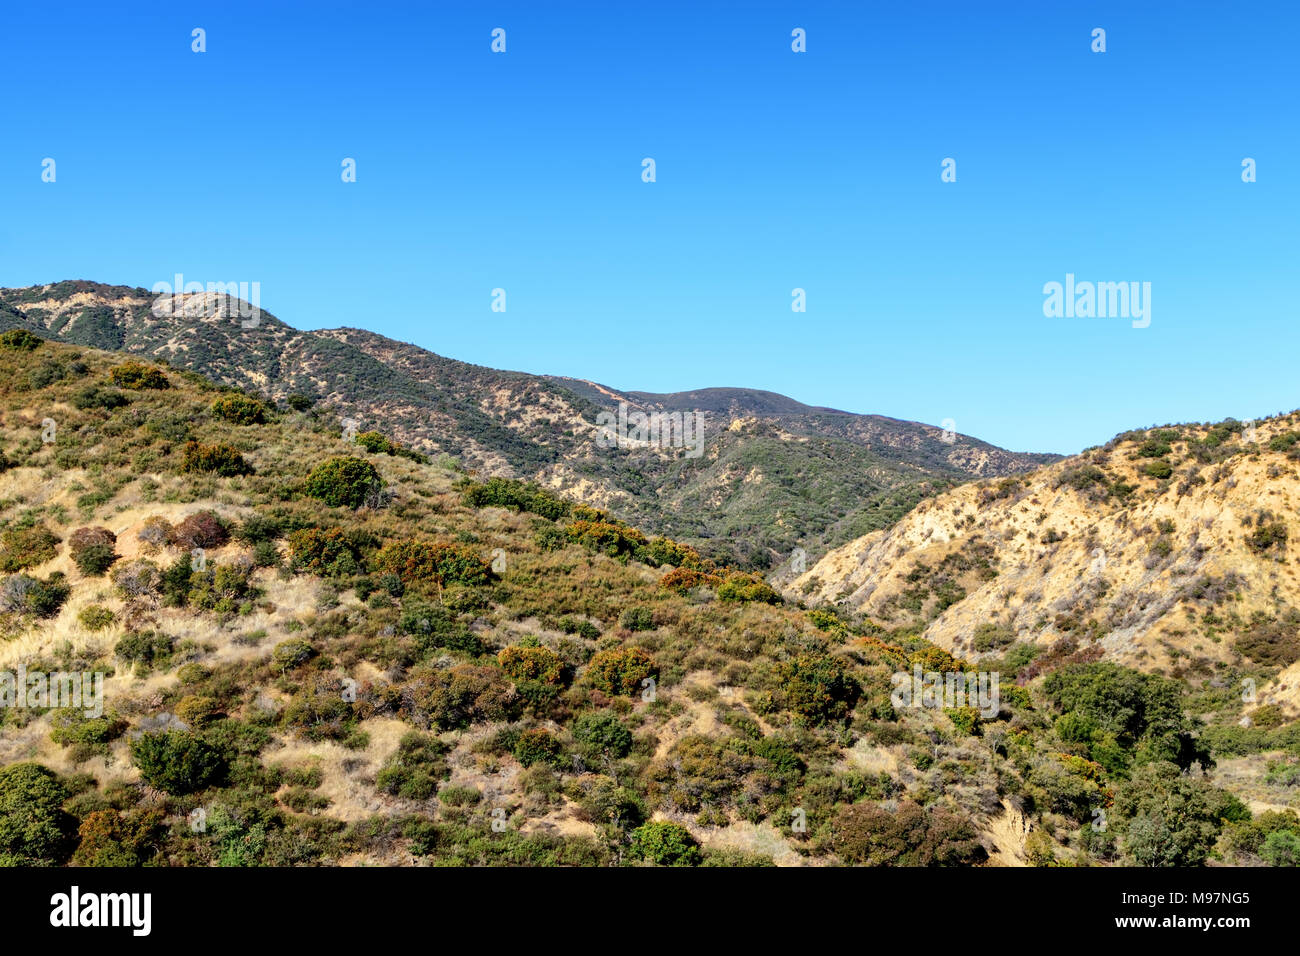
322	651
1169	550
775	474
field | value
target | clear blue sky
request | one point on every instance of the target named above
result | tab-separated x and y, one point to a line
775	170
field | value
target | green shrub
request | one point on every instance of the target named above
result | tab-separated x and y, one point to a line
34	829
26	546
292	653
665	844
151	648
637	619
113	838
221	460
459	796
524	663
22	594
20	340
434	627
620	671
414	769
96	617
177	761
93	550
1153	448
1266	536
376	443
991	637
240	409
96	396
346	482
537	746
747	587
439	563
138	377
602	735
576	625
318	550
819	688
517	495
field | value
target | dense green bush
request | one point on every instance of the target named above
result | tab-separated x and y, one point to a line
325	551
819	688
1154	833
620	671
240	409
525	663
602	735
177	761
34	829
537	746
346	482
664	844
221	460
93	550
151	648
20	340
138	377
515	494
113	838
747	587
431	562
414	769
26	545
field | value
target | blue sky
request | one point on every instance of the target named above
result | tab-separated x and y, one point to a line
775	170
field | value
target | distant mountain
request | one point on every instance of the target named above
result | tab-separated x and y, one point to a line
775	474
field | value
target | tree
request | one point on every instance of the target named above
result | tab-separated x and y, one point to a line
34	829
1168	819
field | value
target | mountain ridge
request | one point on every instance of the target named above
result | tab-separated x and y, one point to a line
825	474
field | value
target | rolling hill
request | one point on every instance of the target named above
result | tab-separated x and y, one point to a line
317	650
775	475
